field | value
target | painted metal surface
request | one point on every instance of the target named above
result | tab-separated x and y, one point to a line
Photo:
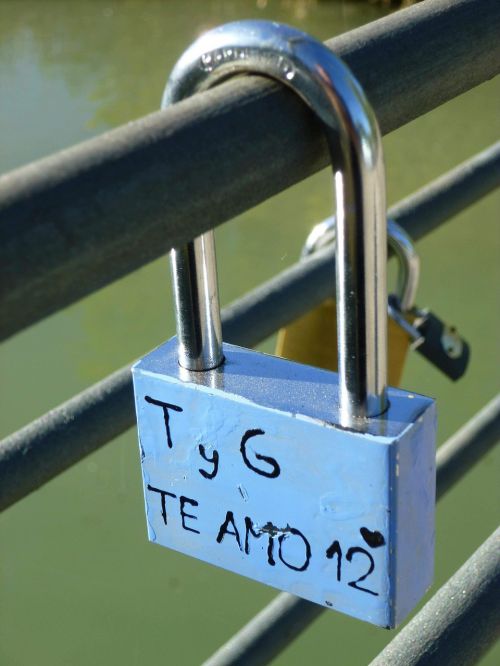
244	467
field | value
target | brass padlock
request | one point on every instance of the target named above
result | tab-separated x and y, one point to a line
309	339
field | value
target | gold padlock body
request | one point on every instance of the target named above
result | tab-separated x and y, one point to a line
312	339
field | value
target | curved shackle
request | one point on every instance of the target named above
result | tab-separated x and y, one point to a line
323	234
327	86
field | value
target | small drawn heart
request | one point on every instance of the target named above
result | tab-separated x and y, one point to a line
373	539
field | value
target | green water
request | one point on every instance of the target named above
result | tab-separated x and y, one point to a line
79	582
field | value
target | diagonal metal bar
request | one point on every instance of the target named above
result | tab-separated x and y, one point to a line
59	439
282	621
459	623
268	633
75	221
293	292
467	446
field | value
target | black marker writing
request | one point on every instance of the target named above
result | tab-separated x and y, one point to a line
214	460
270	552
163	494
224	529
285	537
249	530
373	539
333	550
183	501
166	415
271	474
354	583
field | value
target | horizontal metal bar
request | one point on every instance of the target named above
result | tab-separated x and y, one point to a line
282	621
75	221
450	194
461	621
268	633
57	440
300	288
60	438
467	446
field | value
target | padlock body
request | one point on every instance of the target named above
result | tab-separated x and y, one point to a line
245	467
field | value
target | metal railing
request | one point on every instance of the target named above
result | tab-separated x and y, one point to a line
38	452
287	616
74	222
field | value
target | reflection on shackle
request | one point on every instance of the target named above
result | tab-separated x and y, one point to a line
213	379
327	86
323	234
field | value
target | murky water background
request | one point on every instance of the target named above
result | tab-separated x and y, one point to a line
79	583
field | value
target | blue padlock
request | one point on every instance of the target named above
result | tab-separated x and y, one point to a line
317	483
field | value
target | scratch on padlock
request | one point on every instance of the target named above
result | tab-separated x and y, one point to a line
339	507
243	492
151	531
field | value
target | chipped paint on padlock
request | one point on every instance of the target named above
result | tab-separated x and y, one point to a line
314	482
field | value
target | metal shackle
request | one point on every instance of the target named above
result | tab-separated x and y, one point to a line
323	234
327	86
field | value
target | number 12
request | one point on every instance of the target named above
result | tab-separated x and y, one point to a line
336	550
